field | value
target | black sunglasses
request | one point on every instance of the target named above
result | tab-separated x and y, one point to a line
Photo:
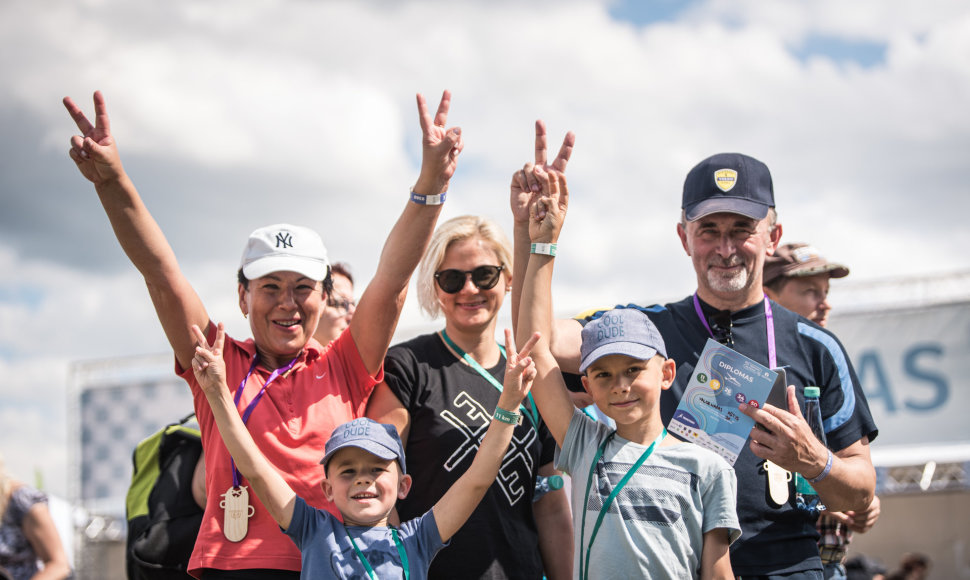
483	277
721	327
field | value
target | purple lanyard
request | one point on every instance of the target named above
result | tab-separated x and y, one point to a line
770	323
236	476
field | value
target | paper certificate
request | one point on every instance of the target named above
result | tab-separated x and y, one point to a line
708	413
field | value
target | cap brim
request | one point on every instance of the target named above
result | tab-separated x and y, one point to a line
369	446
833	270
633	349
312	269
745	207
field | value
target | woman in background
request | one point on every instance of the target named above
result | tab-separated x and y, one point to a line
30	547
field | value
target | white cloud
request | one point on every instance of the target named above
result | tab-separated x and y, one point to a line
231	115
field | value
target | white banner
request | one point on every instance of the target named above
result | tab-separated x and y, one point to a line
912	364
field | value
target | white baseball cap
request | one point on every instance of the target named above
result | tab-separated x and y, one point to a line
285	248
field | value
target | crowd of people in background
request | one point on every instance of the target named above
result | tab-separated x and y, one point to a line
330	450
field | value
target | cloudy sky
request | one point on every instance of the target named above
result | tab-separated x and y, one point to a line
236	114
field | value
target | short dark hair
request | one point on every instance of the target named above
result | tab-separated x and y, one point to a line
342	268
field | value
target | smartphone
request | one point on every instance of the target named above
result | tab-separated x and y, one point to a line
778	395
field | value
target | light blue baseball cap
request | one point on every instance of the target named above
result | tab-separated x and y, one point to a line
620	331
378	438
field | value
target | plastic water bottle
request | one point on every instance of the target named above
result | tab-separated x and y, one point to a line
545	484
805	496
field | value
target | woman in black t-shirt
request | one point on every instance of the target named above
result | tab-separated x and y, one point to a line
440	391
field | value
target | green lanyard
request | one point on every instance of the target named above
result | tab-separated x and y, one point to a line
584	569
400	552
530	413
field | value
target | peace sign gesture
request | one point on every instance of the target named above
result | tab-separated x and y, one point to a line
547	212
440	147
520	371
524	182
94	150
207	364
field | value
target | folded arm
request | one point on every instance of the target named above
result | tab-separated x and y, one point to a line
790	443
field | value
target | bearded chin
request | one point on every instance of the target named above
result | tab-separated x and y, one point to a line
733	283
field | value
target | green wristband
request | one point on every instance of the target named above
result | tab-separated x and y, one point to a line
509	417
544	249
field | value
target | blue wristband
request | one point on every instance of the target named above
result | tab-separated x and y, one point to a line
428	199
825	471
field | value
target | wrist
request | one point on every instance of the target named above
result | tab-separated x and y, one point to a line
429	186
505	416
824	472
543	248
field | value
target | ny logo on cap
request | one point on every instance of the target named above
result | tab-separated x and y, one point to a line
284	240
725	179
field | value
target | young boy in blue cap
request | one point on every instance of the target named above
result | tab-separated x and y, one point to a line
365	476
644	504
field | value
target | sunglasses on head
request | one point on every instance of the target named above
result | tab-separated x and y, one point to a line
483	277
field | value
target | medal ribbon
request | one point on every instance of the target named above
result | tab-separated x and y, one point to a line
400	552
236	476
532	414
770	323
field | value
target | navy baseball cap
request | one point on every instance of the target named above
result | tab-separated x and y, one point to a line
620	331
728	182
378	438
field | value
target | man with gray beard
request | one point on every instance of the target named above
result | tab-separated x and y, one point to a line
728	228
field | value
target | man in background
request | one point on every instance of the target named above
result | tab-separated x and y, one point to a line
797	277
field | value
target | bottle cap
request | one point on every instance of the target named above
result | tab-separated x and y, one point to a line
813	392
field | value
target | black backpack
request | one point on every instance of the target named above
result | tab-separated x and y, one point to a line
163	518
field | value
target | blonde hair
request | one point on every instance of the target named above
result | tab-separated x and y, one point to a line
455	230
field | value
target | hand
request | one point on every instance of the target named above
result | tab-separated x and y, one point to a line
547	212
439	147
788	441
861	521
524	185
520	371
94	151
207	364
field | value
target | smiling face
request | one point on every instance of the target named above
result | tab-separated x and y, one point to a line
805	295
728	251
283	310
628	390
471	309
363	486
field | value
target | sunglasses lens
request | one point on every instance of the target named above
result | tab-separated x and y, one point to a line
483	277
486	277
450	281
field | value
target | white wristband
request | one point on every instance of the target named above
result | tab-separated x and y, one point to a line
544	249
428	199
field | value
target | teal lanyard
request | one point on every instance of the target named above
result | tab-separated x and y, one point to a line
584	564
400	552
530	413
